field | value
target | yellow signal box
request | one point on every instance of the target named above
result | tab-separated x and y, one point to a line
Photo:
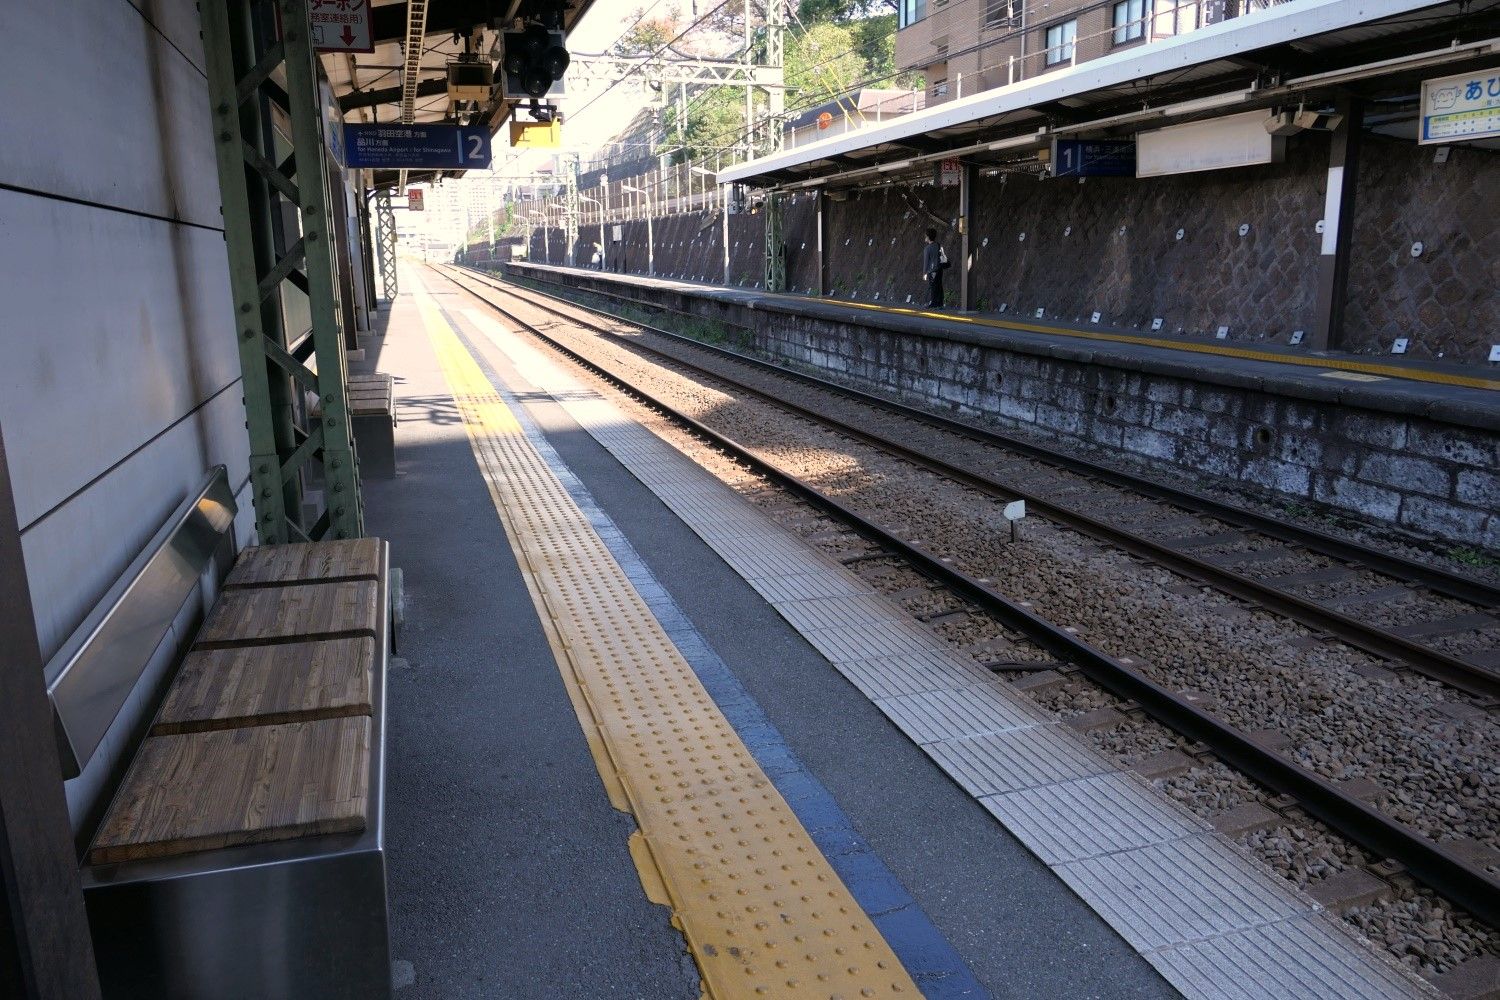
536	135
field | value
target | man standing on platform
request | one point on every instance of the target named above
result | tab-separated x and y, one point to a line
934	262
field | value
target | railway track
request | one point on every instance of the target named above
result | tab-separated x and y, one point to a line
1464	883
1231	573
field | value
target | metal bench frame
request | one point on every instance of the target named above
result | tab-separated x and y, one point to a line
292	918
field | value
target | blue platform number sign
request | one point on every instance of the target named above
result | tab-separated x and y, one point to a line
417	146
1461	108
1093	158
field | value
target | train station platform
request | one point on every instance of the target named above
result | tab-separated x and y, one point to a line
1403	446
645	743
1460	394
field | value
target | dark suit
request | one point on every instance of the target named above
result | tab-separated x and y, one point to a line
932	270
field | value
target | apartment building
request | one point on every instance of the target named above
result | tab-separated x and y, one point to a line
964	46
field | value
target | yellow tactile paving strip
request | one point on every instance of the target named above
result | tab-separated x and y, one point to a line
763	912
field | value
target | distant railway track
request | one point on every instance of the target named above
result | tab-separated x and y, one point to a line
1464	883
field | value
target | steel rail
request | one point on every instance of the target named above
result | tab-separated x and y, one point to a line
1462	882
1438	580
1457	673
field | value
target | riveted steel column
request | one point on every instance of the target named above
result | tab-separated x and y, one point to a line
345	515
775	246
242	57
385	243
232	34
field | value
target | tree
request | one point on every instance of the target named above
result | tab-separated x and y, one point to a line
647	35
843	11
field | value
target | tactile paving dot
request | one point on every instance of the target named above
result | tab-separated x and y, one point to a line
674	751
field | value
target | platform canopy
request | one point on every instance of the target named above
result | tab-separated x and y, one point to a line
1303	51
370	87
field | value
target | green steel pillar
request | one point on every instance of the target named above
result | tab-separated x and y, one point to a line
291	438
775	243
385	243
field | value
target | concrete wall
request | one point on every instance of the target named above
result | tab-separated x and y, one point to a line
118	366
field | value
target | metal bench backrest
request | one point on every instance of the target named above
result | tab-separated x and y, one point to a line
94	673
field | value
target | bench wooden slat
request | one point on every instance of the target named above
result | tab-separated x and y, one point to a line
203	791
306	562
266	685
260	615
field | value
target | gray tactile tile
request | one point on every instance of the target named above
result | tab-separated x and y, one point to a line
932	716
1090	817
1181	891
881	678
1305	958
882	640
857	612
1016	759
807	586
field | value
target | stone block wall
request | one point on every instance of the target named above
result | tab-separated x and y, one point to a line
1441	295
1135	250
1431	478
688	246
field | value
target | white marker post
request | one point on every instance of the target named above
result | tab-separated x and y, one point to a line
1015	513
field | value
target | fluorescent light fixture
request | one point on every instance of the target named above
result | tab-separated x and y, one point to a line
1015	142
898	165
1205	103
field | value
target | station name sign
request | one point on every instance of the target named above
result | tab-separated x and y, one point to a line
1461	108
1093	157
417	146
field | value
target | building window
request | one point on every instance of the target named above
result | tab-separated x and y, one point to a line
1130	21
1175	18
940	87
910	12
997	13
1060	39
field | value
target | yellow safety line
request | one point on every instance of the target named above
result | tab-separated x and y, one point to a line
1390	371
763	912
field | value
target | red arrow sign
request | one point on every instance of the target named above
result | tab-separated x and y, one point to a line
348	35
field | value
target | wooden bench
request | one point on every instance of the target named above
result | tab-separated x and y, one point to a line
372	417
242	853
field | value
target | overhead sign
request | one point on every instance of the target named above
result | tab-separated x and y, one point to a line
1233	141
341	25
536	135
417	146
1461	108
950	172
1093	158
414	199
